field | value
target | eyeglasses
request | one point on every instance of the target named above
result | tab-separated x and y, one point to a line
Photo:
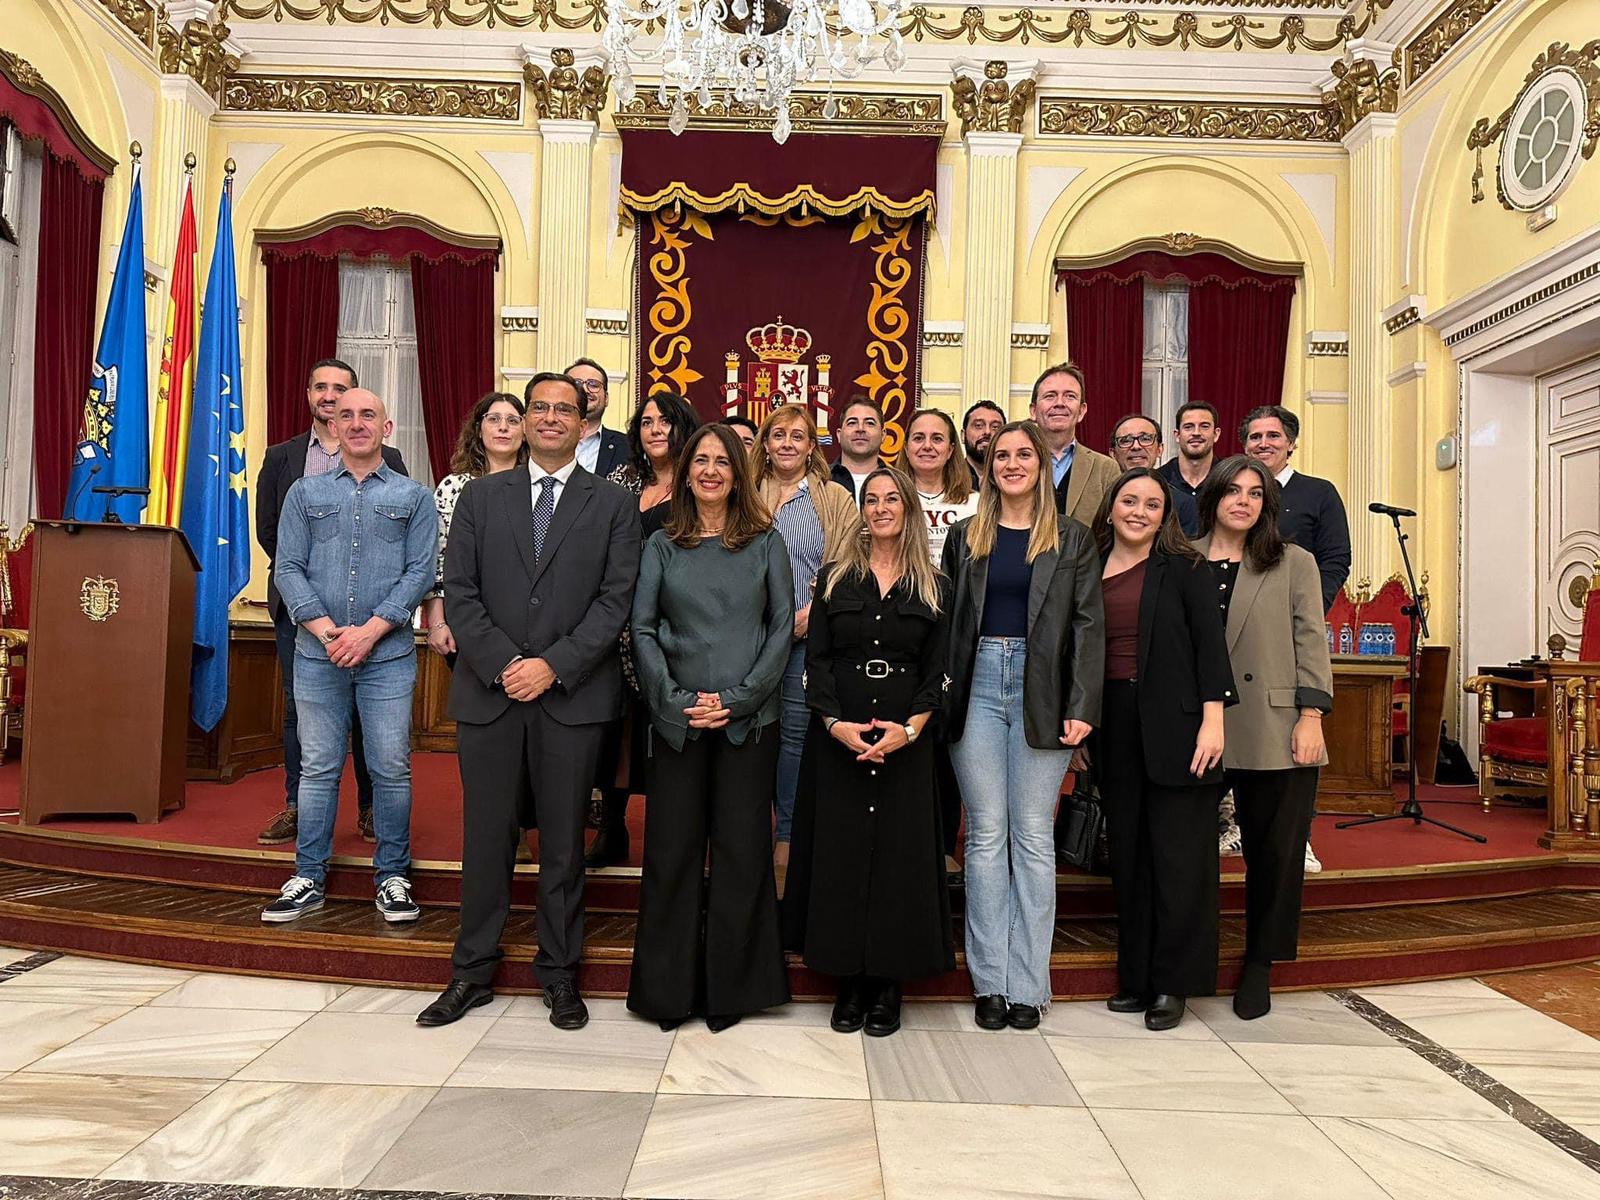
591	385
540	408
502	421
1134	439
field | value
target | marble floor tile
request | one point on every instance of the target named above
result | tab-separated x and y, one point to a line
1567	1086
966	1068
1302	1018
1424	1160
79	1125
806	1013
279	1134
11	954
245	991
30	1031
92	981
601	1008
1489	1022
1427	987
767	1060
194	1043
369	1048
739	1147
409	1002
1091	1018
1187	1076
604	1056
1365	1081
947	1016
995	1150
1230	1156
557	1142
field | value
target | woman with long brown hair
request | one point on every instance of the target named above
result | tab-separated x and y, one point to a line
713	617
1158	751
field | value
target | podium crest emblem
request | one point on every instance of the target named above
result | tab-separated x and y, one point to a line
99	598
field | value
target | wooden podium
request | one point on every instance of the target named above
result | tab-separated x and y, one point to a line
108	672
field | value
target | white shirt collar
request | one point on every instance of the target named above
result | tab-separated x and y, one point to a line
1283	476
536	472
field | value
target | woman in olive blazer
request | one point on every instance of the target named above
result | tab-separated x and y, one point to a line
1271	595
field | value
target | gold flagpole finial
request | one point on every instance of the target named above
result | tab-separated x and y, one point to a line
135	151
189	162
229	168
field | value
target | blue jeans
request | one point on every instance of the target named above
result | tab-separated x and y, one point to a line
324	695
794	718
1010	791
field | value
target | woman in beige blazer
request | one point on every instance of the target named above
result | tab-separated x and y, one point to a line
1271	598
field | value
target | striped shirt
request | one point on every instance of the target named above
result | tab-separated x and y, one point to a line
797	523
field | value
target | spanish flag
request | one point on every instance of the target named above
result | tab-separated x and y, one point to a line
169	451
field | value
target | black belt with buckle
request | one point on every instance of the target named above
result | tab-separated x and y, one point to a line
881	668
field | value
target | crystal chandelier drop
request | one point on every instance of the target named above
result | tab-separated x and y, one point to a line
750	51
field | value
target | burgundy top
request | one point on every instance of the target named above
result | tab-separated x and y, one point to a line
1122	593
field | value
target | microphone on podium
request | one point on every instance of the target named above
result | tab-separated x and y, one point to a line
1389	510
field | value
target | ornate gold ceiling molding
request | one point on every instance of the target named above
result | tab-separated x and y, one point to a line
1439	36
1361	89
561	93
1585	64
25	77
1226	120
138	17
992	104
329	96
859	112
924	22
1180	244
377	218
199	51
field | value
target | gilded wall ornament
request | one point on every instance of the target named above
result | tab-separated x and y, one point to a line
562	93
1181	243
138	17
993	105
198	51
880	112
373	97
1460	18
1581	68
376	215
1231	120
1361	89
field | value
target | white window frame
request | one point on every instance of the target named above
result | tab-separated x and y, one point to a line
1164	373
393	347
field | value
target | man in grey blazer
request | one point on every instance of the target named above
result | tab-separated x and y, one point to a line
1080	475
538	583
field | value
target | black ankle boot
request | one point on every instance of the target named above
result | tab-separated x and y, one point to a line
1254	996
883	1018
849	1013
609	848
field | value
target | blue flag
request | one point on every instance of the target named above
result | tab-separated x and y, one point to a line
114	440
216	517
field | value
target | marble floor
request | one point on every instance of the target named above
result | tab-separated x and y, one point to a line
125	1083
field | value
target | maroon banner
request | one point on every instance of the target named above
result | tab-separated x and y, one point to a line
741	312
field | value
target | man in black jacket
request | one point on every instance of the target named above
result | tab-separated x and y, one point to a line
303	454
600	450
860	438
1136	442
1313	514
538	584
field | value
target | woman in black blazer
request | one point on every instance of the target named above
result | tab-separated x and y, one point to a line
1026	669
1158	752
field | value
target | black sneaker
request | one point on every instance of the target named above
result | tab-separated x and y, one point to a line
990	1012
1023	1016
297	897
394	900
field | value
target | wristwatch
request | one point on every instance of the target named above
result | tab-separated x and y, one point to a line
327	636
911	732
828	723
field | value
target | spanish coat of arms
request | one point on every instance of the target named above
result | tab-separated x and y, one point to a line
778	377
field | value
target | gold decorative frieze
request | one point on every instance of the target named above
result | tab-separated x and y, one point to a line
936	338
1079	27
1327	345
1230	120
519	324
1583	63
1181	243
878	112
1404	319
1566	283
138	17
1458	19
1361	89
994	105
198	51
617	326
1030	341
329	96
561	93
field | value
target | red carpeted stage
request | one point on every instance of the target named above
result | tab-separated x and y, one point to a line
1394	901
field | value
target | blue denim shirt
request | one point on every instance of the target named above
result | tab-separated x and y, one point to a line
350	551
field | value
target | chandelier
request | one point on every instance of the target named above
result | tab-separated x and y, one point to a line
750	51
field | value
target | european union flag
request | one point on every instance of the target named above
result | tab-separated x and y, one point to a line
216	519
114	439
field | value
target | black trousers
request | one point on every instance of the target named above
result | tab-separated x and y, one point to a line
948	789
284	631
708	941
613	799
523	763
1274	810
1164	868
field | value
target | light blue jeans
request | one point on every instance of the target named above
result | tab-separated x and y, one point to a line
794	719
1010	791
323	696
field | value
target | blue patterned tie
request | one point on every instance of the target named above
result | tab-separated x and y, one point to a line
543	507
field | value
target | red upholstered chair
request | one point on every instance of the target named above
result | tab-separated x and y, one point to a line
16	583
1554	754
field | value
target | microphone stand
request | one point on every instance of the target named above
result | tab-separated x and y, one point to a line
1411	808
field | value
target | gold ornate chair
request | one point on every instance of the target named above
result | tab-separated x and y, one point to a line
1553	754
16	577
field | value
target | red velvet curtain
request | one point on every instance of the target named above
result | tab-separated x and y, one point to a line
302	327
455	345
69	257
1105	336
1238	345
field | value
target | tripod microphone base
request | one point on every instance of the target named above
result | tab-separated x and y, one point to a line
1412	811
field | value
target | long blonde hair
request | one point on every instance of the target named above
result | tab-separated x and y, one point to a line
912	562
1045	533
792	414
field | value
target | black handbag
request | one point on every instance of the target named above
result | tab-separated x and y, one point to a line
1080	825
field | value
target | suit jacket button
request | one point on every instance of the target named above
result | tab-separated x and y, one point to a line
525	646
533	602
1249	678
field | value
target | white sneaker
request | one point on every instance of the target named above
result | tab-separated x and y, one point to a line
1229	841
1313	863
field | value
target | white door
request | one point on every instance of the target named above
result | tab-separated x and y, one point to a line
1569	475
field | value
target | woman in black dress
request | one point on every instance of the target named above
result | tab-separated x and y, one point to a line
866	899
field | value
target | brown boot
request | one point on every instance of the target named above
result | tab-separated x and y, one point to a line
369	831
282	828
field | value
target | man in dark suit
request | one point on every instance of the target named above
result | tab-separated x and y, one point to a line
600	450
1136	442
1313	514
302	455
538	583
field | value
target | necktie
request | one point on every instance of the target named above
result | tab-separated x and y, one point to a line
543	508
